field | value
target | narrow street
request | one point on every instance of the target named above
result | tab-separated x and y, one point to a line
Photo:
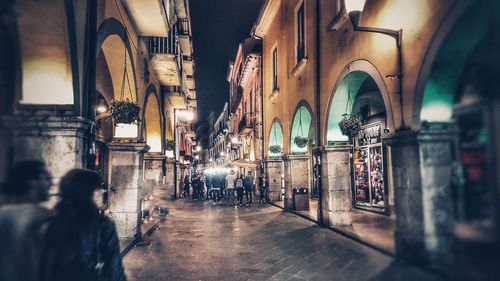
200	241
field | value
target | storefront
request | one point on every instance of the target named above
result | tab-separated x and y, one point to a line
369	188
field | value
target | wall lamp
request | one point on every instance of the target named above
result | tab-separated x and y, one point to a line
354	9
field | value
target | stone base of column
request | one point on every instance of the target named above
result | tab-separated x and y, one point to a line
336	177
273	169
423	172
155	190
125	188
297	174
58	141
169	177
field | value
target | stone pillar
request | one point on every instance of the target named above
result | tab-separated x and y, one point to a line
336	177
126	183
153	182
297	174
58	141
169	177
273	171
423	172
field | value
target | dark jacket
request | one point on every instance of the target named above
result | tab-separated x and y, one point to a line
83	251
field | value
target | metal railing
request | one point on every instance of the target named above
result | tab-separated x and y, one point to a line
246	122
183	26
163	45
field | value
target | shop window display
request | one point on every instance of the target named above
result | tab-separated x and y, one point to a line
368	162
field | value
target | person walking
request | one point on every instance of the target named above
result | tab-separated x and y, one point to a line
262	188
186	186
81	244
230	181
248	183
239	190
23	221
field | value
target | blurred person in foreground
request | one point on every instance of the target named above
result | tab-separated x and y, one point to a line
23	221
81	244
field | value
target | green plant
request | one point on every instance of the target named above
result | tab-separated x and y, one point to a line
275	149
169	145
301	142
126	112
350	126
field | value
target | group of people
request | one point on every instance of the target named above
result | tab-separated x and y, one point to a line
229	186
73	241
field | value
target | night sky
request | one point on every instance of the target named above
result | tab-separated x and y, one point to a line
218	27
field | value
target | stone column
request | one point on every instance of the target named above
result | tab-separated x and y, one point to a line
58	141
336	177
126	183
169	177
273	171
297	174
423	172
153	182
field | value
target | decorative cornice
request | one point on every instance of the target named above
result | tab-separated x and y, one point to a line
266	16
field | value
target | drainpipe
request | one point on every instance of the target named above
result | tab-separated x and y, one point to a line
317	151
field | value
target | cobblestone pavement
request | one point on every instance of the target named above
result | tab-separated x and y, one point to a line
200	241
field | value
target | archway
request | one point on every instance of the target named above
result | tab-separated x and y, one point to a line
114	45
356	174
152	121
302	128
275	139
459	86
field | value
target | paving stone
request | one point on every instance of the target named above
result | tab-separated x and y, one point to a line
200	241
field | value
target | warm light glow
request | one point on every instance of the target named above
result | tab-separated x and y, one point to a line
126	130
101	109
354	5
154	142
198	148
234	140
169	153
196	157
222	153
210	159
46	81
185	115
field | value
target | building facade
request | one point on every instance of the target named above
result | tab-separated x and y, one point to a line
66	62
422	164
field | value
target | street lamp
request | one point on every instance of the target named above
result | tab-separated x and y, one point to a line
354	8
198	148
234	140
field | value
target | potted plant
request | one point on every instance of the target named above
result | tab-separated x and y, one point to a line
350	126
124	112
169	145
275	149
301	142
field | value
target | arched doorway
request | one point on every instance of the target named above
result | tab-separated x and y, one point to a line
461	90
359	192
302	139
274	164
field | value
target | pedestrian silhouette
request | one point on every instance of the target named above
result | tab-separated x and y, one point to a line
23	221
81	243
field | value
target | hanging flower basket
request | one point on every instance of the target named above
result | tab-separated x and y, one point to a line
275	149
350	126
169	145
301	142
124	112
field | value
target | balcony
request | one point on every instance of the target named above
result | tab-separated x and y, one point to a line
184	35
190	82
246	124
188	64
175	97
166	60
